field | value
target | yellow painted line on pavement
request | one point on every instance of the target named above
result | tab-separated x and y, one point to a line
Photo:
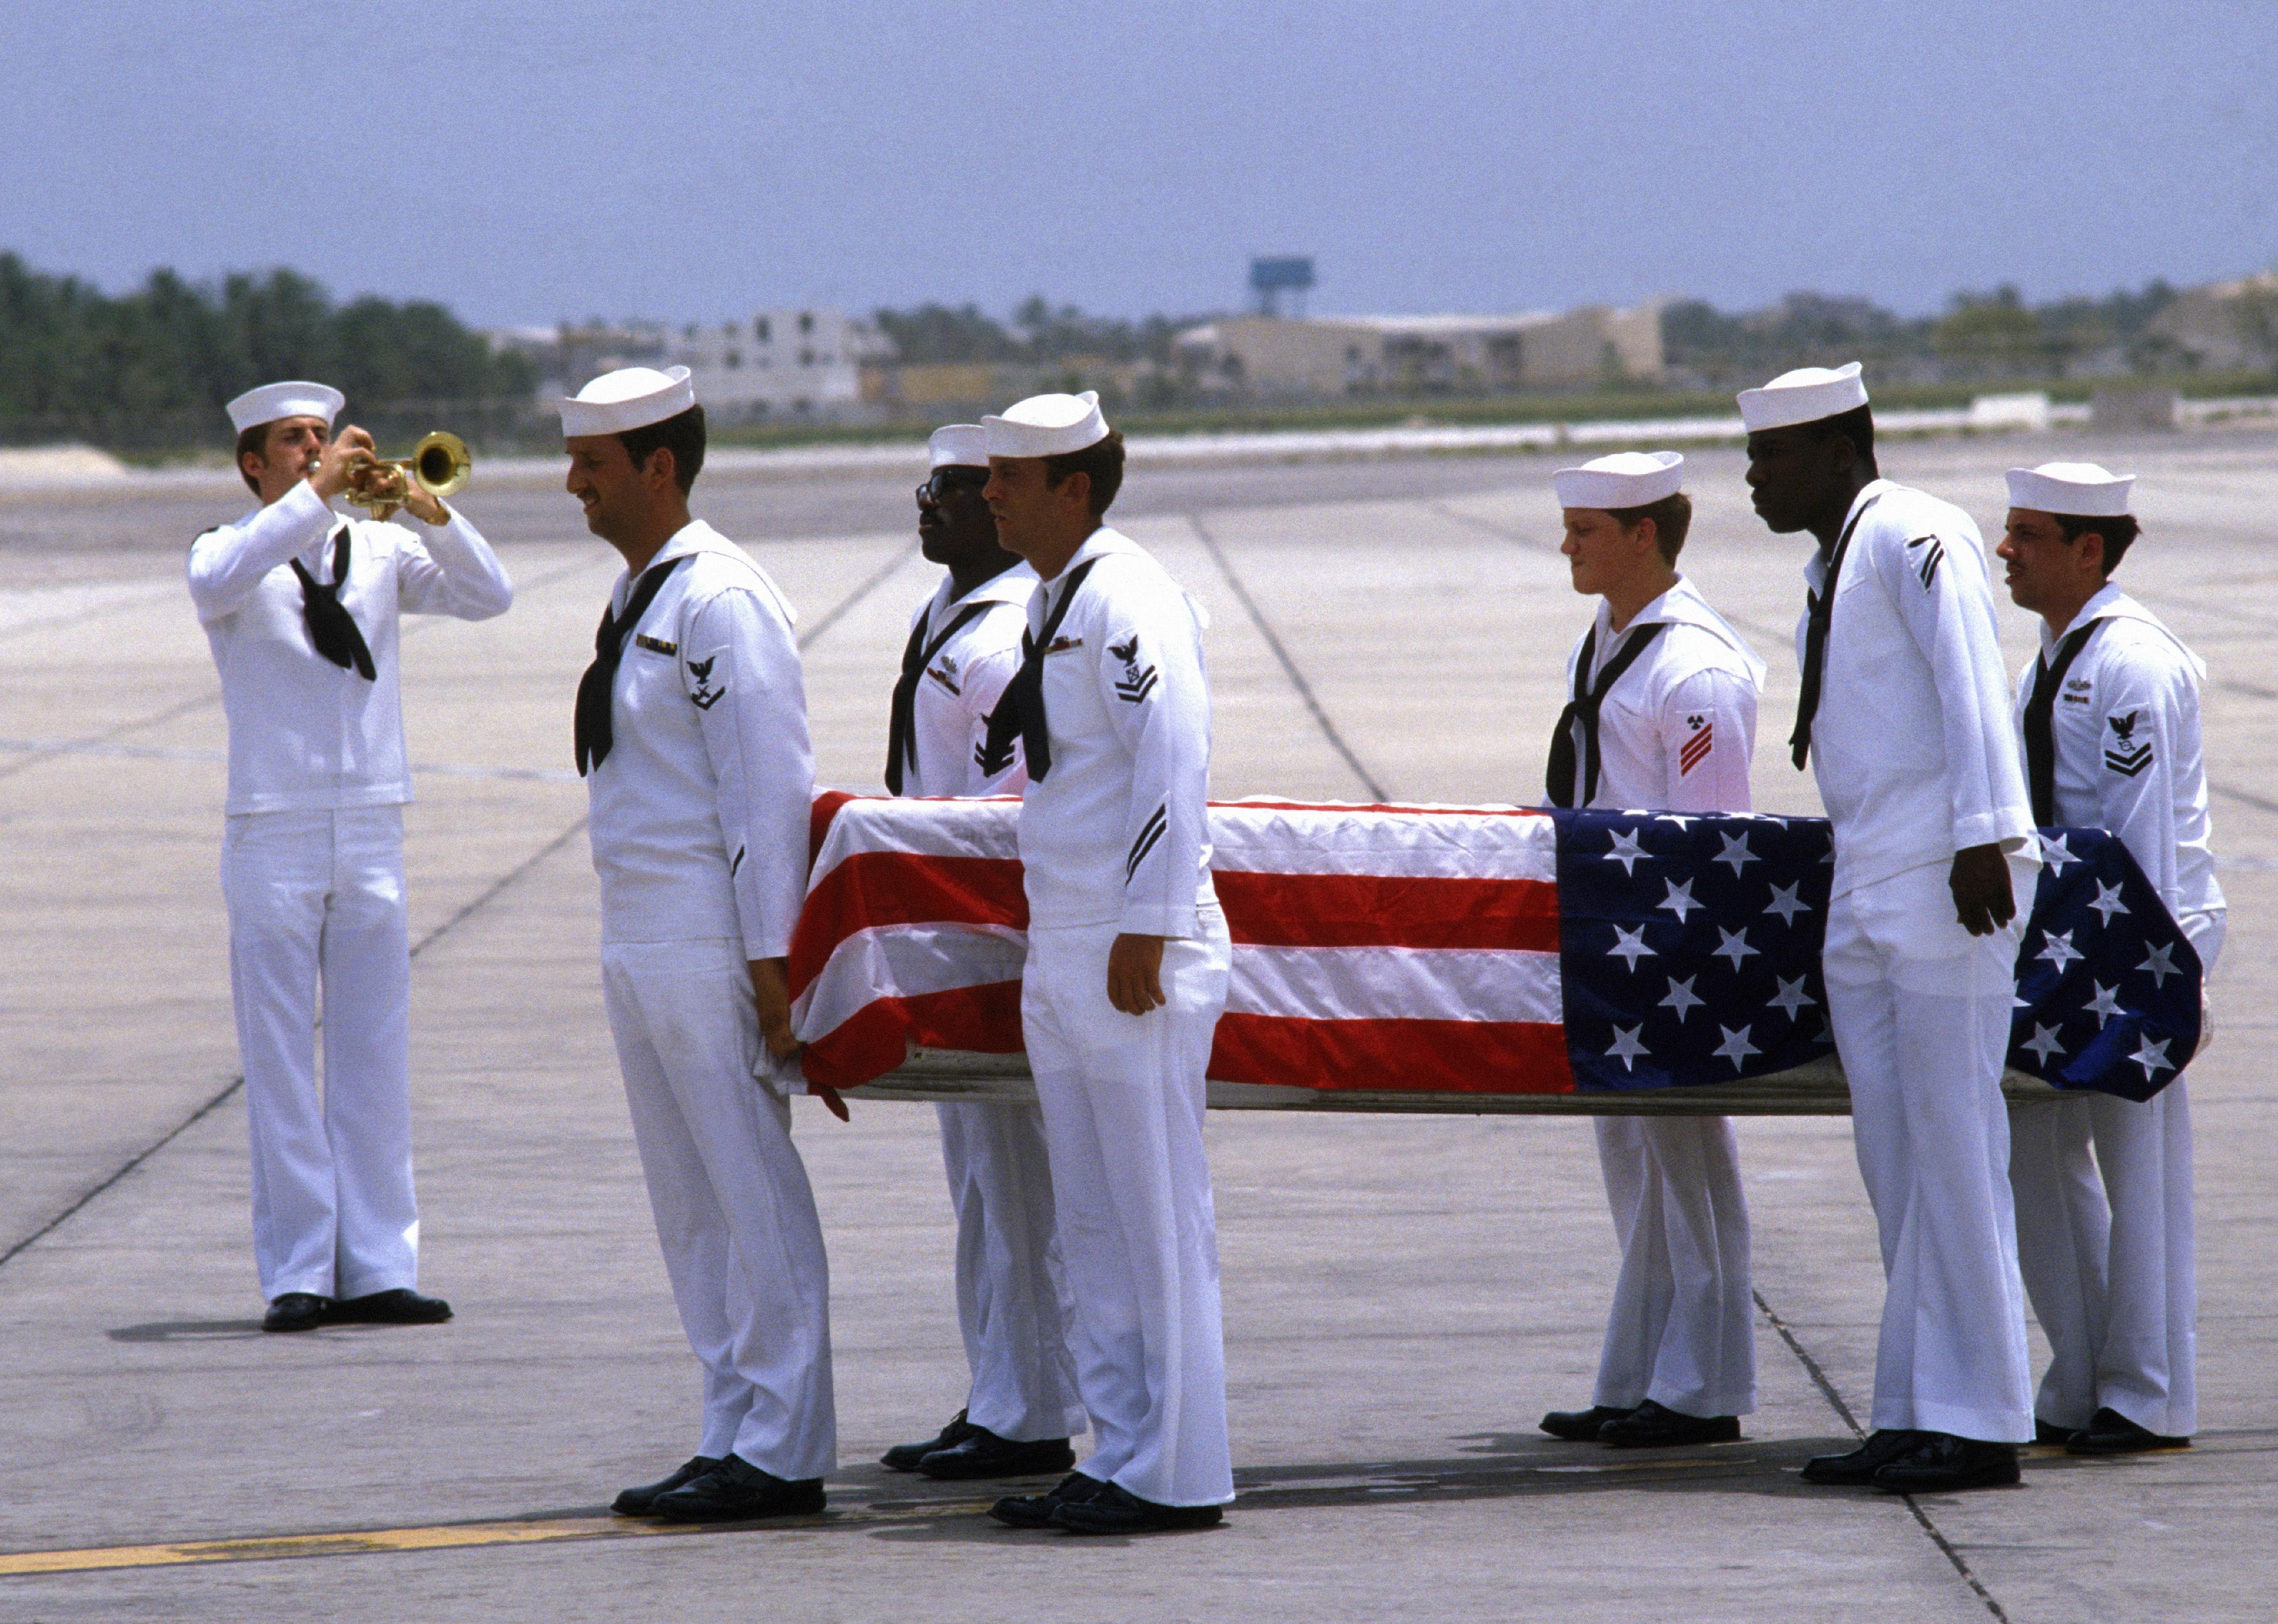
443	1537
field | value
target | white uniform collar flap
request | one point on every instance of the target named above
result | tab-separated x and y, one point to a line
2111	603
1682	605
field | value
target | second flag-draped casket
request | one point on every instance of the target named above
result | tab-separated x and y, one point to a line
1469	950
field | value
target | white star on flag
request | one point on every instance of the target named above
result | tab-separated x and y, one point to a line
2152	1057
1681	997
1734	946
2059	950
2108	901
1736	852
1680	819
1630	944
1786	903
2044	1043
2105	1004
2160	965
2055	852
1736	1046
1626	852
1680	900
1792	998
1626	1048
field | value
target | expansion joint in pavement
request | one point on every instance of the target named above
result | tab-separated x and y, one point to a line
1289	666
1836	1402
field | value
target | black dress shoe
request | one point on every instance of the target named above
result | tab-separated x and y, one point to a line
1582	1426
2108	1432
904	1457
1115	1510
641	1501
1653	1426
735	1491
296	1311
982	1453
2049	1432
1035	1511
400	1307
1939	1463
1857	1469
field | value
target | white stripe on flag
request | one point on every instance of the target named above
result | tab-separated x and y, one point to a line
943	829
1436	846
1392	984
904	962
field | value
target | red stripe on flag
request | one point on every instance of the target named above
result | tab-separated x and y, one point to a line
983	1020
870	889
1375	910
819	818
1453	1056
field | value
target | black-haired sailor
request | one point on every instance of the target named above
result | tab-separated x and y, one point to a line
1126	971
2109	712
964	646
300	608
1662	716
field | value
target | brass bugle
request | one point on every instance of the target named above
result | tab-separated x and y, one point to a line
438	465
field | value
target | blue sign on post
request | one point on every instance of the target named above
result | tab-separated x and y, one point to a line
1271	278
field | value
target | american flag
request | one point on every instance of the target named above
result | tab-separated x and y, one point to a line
1467	949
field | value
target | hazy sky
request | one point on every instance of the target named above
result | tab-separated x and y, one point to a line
528	161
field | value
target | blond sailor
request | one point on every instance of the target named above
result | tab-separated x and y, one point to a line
692	733
1126	970
964	646
1904	718
2109	713
301	607
1662	716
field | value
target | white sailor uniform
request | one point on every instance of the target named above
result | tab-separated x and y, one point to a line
1916	758
1114	840
312	868
1011	1303
1675	732
700	832
2107	1261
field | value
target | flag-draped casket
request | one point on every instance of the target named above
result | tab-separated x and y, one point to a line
1468	949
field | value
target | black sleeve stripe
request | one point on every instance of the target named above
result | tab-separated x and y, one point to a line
1149	837
736	864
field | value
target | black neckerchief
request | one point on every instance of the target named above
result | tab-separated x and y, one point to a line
1815	640
595	726
2040	739
901	726
1019	713
1558	778
331	629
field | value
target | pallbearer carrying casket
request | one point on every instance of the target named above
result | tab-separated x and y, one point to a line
1125	973
1662	716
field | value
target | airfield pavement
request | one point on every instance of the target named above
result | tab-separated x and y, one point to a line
1404	1296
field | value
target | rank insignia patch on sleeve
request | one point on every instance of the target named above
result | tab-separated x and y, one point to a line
703	695
2125	754
1695	750
1135	685
1933	555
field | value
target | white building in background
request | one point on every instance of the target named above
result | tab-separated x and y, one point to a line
787	363
1299	357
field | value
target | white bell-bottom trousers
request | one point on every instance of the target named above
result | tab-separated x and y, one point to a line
735	1214
1123	1099
315	901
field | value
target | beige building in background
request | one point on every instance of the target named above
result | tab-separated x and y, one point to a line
1330	355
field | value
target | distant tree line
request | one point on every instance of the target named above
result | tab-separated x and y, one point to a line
1978	336
1038	334
156	366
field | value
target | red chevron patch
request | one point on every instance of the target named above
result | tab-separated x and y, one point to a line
1695	750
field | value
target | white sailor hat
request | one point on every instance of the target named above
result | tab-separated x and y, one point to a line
1046	426
958	445
1625	479
2075	489
273	402
631	397
1805	395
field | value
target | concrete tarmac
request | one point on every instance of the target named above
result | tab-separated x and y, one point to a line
1404	1297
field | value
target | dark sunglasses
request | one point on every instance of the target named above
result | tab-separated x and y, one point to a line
937	490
